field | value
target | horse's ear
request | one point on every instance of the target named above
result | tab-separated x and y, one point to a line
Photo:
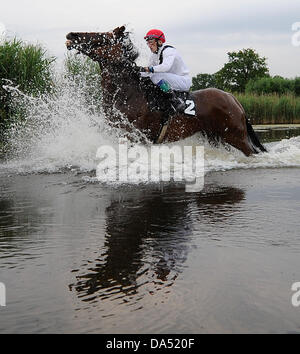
119	31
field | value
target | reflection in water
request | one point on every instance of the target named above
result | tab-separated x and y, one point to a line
6	218
148	238
19	222
206	262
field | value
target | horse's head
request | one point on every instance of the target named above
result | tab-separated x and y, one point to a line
110	47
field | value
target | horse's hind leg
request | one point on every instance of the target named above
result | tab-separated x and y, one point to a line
246	149
242	145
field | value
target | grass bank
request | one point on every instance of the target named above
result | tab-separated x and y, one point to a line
271	109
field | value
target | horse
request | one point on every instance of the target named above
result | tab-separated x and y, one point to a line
218	114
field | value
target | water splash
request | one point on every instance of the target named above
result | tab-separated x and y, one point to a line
64	132
59	131
284	153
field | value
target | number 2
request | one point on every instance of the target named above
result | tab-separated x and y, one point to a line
190	108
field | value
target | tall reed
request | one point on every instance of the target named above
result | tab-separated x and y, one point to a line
27	67
271	109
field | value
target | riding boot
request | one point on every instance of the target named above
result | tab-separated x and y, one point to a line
176	103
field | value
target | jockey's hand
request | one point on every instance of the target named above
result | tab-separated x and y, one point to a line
146	69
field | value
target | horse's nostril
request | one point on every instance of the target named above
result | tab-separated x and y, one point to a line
69	43
71	36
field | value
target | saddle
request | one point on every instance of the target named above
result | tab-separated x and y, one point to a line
168	102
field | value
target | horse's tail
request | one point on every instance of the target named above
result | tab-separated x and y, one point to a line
253	137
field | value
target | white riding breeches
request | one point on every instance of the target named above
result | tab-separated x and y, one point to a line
177	82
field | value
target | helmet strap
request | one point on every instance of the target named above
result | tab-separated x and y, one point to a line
159	45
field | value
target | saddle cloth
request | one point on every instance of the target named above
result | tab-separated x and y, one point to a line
187	98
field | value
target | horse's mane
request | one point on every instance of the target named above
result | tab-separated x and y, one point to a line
129	50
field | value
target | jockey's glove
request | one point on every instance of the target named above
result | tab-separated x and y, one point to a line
146	69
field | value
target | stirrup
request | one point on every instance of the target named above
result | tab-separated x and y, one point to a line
178	104
181	106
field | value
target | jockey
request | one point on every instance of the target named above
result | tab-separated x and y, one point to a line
166	67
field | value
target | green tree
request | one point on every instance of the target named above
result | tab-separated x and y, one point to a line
243	65
297	86
271	85
203	81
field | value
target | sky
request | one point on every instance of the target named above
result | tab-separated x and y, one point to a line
203	31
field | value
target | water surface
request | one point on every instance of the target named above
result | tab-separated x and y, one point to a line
82	257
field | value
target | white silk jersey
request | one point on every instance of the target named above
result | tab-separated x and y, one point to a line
172	62
172	69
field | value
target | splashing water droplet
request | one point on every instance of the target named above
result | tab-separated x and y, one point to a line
2	30
59	131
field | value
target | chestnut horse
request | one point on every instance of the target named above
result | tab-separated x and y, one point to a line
218	114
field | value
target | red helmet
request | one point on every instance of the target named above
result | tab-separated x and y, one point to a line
155	34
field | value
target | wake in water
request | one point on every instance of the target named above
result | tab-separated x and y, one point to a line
284	153
63	131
